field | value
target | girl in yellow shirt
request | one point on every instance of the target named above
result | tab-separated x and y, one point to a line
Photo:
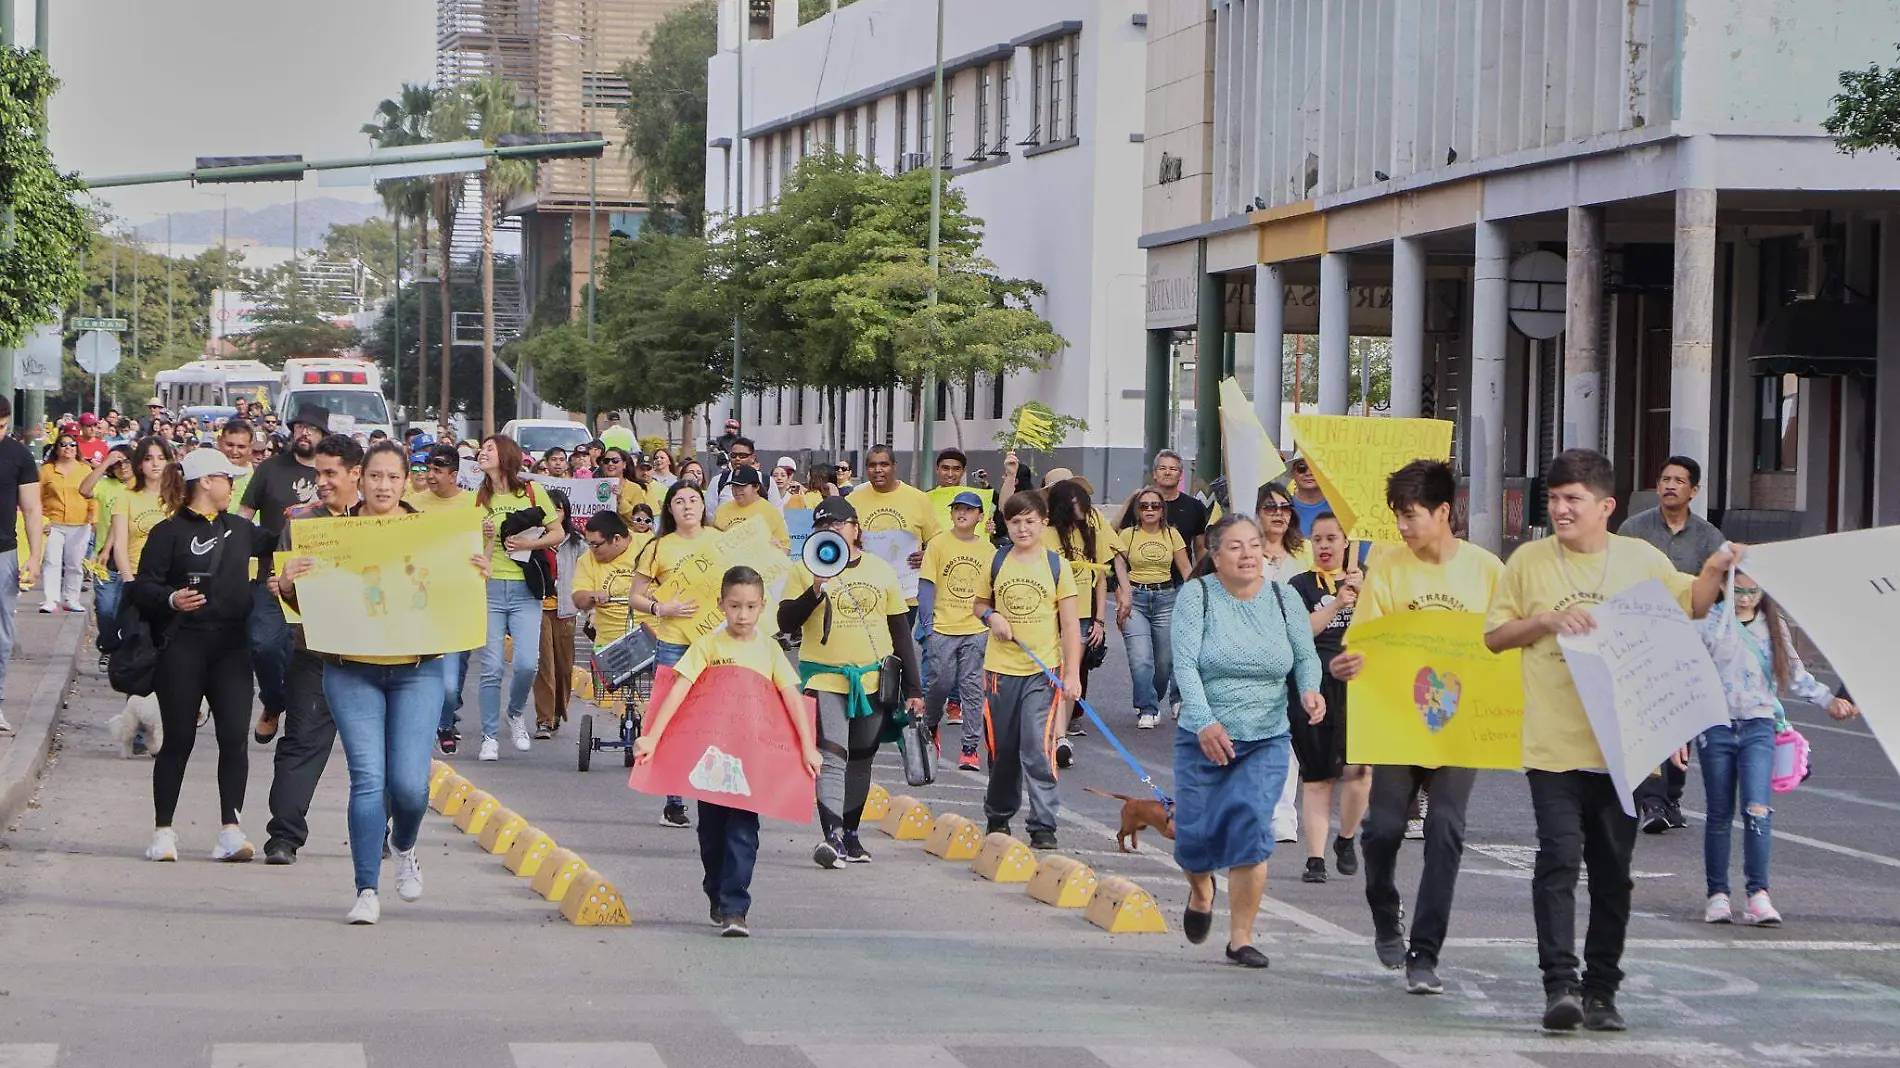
1156	557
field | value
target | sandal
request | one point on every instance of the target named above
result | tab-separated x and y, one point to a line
263	720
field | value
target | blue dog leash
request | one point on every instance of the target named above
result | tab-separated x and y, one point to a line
1103	727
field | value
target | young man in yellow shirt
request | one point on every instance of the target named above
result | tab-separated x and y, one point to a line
956	640
1433	572
603	579
1547	589
749	505
888	503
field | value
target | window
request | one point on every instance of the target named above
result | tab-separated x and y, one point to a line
985	85
603	89
996	396
1777	423
1057	84
903	129
778	406
765	173
1002	109
831	132
923	122
870	132
1038	64
1055	90
798	406
1075	84
969	396
851	132
949	120
913	395
784	159
804	141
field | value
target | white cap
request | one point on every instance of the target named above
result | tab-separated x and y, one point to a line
201	462
785	461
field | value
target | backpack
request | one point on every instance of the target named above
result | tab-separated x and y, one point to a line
132	668
542	567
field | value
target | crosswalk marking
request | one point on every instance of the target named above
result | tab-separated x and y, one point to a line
585	1055
880	1056
288	1055
1167	1057
28	1055
1494	1059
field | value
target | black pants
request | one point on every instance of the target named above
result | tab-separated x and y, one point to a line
1580	825
728	850
1393	790
1662	789
302	753
200	667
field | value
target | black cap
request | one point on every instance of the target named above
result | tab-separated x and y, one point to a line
745	475
833	510
312	415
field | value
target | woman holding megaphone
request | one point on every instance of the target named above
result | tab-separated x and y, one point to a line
851	611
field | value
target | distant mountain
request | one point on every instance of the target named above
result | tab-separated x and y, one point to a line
266	226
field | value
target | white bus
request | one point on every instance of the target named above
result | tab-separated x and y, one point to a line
351	389
218	382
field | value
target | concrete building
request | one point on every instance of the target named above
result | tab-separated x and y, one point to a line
1604	223
1043	104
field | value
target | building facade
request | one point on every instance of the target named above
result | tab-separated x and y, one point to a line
1043	124
1605	223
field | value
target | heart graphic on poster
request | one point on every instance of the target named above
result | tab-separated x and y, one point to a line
1437	697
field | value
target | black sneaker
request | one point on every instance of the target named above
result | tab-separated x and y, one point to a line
718	918
279	853
1599	1014
1655	821
1315	870
735	928
1345	856
853	850
1563	1011
1389	944
1421	977
445	742
828	854
675	816
1040	839
996	826
1672	815
1065	753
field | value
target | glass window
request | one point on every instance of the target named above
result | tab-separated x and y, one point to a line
985	85
923	122
851	132
831	132
1036	62
804	141
1057	131
1002	107
1075	84
949	119
785	158
1777	423
870	132
903	129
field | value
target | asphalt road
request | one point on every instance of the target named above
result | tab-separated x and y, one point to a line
111	960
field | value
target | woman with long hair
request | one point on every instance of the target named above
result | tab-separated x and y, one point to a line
1090	550
1286	550
554	678
693	472
103	486
143	505
1156	555
513	612
1330	590
663	475
67	514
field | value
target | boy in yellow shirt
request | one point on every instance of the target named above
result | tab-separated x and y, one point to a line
955	640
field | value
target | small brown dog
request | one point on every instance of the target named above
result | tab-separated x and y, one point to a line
1138	812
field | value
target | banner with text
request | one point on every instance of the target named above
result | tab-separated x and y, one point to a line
894	547
585	495
1432	695
1352	456
733	743
398	585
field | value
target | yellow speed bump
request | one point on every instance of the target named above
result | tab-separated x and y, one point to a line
876	803
592	901
1121	907
558	873
908	819
954	838
531	849
1064	882
454	793
1004	860
476	808
439	772
498	836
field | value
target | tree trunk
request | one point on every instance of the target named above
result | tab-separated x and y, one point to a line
956	422
422	330
488	311
446	235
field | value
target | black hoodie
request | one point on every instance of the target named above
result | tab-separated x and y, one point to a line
182	546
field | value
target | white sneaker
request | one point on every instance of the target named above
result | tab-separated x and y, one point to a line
408	876
231	847
1146	721
367	909
1718	910
491	750
5	727
519	724
48	609
1761	911
164	845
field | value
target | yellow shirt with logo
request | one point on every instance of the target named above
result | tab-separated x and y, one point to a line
500	507
952	565
1027	595
142	511
1557	733
1088	569
684	568
614	576
632	493
427	501
1151	556
862	599
732	513
903	507
1401	582
758	653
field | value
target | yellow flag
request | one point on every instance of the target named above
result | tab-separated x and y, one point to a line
1253	458
1033	430
1352	456
398	585
1431	694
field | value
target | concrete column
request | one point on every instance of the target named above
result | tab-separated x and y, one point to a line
1408	327
1335	332
1692	329
1484	438
1583	333
1269	346
1210	347
1887	382
1158	392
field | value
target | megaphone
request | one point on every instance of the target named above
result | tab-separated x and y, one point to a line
826	554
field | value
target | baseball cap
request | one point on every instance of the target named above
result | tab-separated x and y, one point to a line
743	475
88	419
732	424
966	499
785	462
201	462
834	510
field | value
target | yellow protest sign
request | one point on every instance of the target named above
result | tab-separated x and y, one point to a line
290	614
398	585
697	575
1253	458
1352	456
1431	694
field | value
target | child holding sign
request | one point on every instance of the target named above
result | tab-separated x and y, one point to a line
729	837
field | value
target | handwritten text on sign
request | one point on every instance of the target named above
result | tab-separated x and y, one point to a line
1352	456
1432	695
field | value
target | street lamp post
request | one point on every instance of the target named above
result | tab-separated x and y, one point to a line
928	409
744	11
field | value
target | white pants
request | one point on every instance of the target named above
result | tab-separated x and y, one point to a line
61	571
1286	811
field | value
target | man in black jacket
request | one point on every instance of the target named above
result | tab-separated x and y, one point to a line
285	481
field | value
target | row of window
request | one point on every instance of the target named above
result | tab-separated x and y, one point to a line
788	405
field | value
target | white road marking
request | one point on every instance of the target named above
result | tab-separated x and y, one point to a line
1843	795
1167	1057
835	1055
288	1055
585	1055
28	1055
1493	1059
1808	725
1814	843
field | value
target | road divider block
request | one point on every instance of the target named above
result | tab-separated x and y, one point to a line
503	826
476	808
1121	907
907	820
1064	882
1004	860
557	874
454	793
592	901
876	803
532	848
439	771
954	837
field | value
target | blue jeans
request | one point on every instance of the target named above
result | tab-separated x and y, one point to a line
106	595
668	656
384	714
1150	649
728	850
512	612
454	681
271	647
1738	760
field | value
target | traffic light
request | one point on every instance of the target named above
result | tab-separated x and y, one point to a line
546	146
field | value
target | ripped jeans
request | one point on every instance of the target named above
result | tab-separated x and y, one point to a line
1737	761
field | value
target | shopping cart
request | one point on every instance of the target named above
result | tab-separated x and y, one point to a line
622	674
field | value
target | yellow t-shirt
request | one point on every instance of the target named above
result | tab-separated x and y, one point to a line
632	493
1151	556
904	507
500	507
1027	596
687	568
143	511
952	565
616	577
1557	734
427	501
862	599
1087	571
105	500
759	653
732	513
802	500
1401	582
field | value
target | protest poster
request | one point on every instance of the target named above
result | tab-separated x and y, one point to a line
469	475
290	614
1646	682
585	495
398	585
940	499
894	548
1352	456
798	525
1253	458
1432	695
1843	590
731	742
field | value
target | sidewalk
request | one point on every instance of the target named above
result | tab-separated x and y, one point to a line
39	677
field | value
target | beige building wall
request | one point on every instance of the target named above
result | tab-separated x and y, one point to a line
1180	115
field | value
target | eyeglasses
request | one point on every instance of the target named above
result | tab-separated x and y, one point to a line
642	520
612	460
1748	591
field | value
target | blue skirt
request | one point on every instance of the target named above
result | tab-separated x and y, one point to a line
1223	814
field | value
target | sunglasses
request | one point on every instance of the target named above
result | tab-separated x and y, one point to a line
642	521
1748	591
1299	468
613	460
1276	506
742	456
1150	506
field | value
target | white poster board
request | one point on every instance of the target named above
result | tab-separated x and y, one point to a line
1646	681
585	496
894	548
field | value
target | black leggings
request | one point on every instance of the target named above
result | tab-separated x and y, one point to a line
203	666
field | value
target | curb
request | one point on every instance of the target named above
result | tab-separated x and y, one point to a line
33	735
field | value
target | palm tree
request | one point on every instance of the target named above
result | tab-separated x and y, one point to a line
495	110
406	120
448	121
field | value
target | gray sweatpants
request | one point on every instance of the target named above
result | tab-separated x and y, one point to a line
1021	710
956	670
849	747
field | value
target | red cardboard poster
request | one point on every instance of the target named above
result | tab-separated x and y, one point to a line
732	742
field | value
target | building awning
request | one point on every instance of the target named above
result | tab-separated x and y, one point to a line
1816	339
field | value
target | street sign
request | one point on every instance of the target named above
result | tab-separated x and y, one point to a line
79	323
36	364
97	352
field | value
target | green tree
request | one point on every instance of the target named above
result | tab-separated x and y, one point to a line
43	227
1060	427
495	109
370	244
409	119
463	366
1866	114
665	115
816	9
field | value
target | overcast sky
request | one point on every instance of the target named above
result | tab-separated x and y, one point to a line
149	86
